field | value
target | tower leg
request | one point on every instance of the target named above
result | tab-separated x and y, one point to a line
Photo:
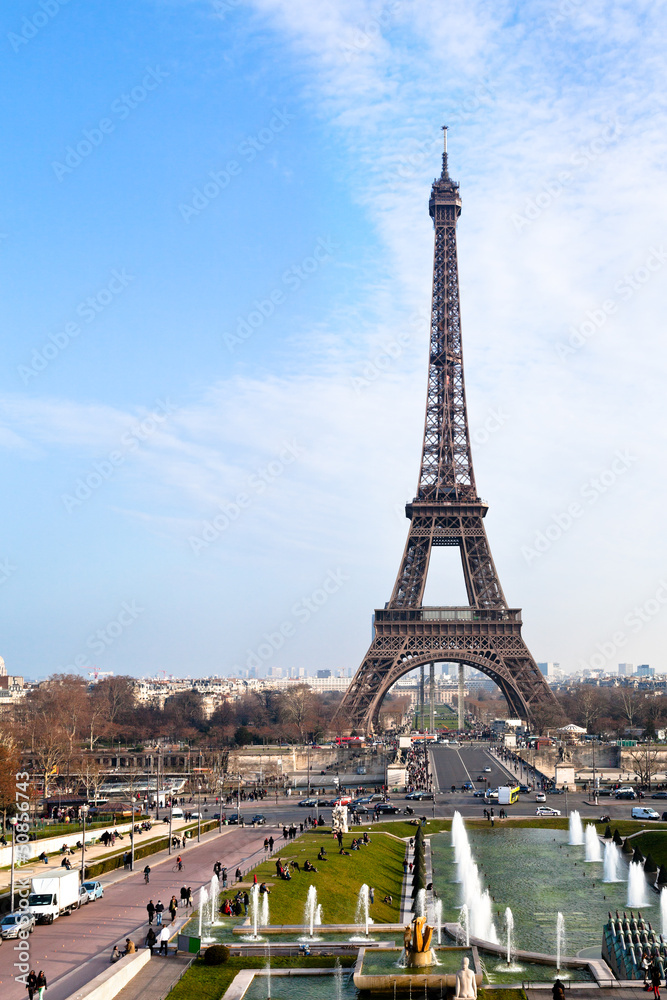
431	695
461	696
421	696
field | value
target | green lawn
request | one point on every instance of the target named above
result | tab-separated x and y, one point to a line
654	843
209	982
337	880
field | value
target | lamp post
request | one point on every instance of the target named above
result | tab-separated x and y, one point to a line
84	810
12	822
171	812
157	788
198	811
132	839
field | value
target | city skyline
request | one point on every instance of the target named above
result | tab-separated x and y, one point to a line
217	320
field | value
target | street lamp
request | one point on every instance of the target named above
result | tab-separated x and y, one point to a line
198	812
12	822
84	810
171	813
132	839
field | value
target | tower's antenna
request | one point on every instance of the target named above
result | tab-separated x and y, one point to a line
445	171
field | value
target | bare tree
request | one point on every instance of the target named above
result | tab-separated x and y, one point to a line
645	763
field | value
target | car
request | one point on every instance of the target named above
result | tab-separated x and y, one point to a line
644	812
622	794
95	890
84	898
468	785
479	794
418	795
233	819
540	797
492	794
375	796
385	807
554	791
524	789
258	820
196	815
487	770
361	809
546	811
659	795
12	923
326	802
308	803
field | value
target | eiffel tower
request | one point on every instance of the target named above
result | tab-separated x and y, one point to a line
486	634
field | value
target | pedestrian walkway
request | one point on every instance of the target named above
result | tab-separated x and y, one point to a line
157	977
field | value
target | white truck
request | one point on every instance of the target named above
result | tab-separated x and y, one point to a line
54	894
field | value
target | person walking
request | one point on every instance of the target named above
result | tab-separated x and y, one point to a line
164	940
655	978
31	984
266	844
271	842
42	986
159	910
188	901
151	939
371	895
151	910
173	907
184	896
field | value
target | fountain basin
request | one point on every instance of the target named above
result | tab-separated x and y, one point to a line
405	978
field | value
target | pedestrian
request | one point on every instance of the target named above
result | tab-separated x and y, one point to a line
150	940
159	910
31	983
189	899
239	875
271	843
371	895
164	940
266	844
246	903
184	896
173	907
41	984
151	911
655	979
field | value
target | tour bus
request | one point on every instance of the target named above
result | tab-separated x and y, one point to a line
508	795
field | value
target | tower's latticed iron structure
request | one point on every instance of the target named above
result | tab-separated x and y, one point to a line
446	511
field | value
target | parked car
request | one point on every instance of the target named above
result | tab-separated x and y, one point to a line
326	802
385	807
659	795
540	797
308	803
95	890
626	794
258	820
644	812
84	898
546	811
12	923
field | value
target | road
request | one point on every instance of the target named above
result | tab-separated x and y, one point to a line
76	948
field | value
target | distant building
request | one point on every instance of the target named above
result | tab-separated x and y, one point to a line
323	673
643	670
625	670
549	669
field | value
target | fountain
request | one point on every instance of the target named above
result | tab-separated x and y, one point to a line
311	912
361	916
636	885
560	937
338	979
611	859
509	926
214	893
663	911
438	919
254	911
203	898
576	828
593	847
463	931
477	899
417	939
420	903
264	906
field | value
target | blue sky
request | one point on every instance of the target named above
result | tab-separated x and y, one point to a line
216	257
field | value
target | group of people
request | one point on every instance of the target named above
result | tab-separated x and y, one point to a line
652	974
35	984
236	905
156	910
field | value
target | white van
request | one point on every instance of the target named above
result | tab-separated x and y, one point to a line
177	813
644	812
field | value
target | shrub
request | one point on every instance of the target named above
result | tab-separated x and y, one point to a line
627	847
217	954
650	865
662	875
637	857
607	833
618	840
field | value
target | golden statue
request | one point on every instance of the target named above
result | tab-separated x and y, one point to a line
417	939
